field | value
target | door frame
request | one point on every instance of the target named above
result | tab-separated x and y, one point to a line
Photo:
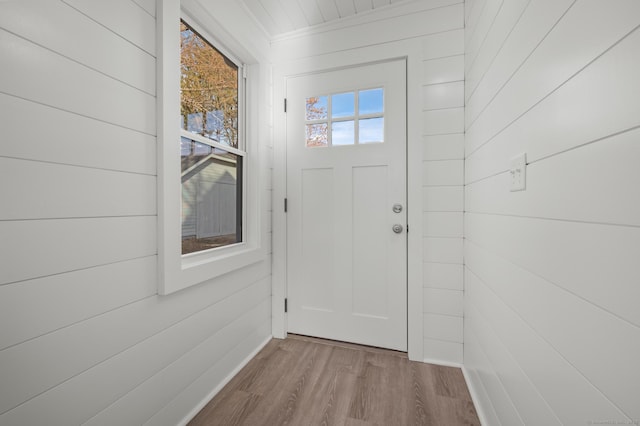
409	51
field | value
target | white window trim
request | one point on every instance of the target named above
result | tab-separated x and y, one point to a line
175	271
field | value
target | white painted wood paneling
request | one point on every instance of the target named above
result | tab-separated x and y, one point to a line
443	327
91	143
574	172
478	33
295	13
345	8
550	272
148	5
282	20
537	358
443	70
533	26
444	44
444	95
477	371
443	301
37	74
442	198
261	16
215	323
440	351
101	289
498	361
53	358
443	121
444	250
443	275
579	257
443	147
471	19
45	247
581	111
123	17
311	11
571	335
89	44
589	29
363	5
371	33
442	224
172	413
329	10
51	191
509	14
442	173
81	322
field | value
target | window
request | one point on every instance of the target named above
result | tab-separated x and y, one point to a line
210	154
348	118
209	192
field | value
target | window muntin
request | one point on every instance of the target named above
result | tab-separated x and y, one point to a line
347	118
211	161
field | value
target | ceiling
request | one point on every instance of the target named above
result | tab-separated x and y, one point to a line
283	16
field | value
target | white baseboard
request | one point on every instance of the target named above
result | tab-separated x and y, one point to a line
475	398
223	383
442	363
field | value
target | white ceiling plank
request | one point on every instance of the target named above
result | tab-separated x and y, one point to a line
328	9
363	5
292	8
345	8
311	11
380	3
279	16
262	16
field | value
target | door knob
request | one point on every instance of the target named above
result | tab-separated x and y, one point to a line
397	228
397	208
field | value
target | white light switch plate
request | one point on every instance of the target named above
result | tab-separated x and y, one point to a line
518	172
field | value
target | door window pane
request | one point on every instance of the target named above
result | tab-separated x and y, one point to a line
342	133
316	108
370	101
335	120
316	134
371	130
343	105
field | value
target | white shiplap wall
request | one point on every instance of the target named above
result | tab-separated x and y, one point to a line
83	335
552	329
430	34
442	193
282	16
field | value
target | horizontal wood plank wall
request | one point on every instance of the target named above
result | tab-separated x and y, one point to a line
551	319
442	192
84	337
436	136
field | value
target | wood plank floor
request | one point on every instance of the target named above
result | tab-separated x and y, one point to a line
309	381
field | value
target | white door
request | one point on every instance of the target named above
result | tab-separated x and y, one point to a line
346	170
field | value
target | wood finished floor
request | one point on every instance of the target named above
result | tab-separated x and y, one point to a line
308	381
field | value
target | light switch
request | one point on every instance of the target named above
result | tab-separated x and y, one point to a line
518	172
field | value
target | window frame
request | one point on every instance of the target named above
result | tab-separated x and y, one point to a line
175	270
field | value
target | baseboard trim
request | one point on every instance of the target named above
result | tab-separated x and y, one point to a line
474	397
223	383
442	363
